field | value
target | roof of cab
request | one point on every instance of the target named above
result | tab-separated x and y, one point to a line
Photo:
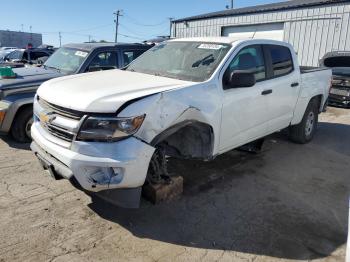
91	46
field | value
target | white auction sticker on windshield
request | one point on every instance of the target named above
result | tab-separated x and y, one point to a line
81	53
210	46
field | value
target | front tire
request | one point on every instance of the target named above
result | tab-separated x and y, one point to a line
20	130
304	132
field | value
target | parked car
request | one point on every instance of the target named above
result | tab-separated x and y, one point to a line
5	51
30	56
16	95
339	62
186	98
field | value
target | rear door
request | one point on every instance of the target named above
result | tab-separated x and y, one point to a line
284	83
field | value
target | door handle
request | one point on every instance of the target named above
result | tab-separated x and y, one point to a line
294	84
266	92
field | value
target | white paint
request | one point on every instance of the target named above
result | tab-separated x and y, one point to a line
236	116
103	91
265	31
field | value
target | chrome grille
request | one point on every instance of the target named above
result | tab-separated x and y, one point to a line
58	121
60	133
60	110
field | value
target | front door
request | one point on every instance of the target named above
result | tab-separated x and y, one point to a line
244	113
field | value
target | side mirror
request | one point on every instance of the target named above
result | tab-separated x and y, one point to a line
241	78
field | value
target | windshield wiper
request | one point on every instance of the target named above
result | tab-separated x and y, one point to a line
51	67
205	61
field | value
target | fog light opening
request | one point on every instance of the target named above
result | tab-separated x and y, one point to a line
107	176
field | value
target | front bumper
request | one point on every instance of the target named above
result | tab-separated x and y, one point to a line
341	101
95	166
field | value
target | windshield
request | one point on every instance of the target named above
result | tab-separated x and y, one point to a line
66	60
189	61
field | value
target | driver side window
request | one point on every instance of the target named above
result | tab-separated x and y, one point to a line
249	59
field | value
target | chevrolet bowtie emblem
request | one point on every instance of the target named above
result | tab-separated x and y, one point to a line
47	117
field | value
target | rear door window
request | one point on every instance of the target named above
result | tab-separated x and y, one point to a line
281	59
130	55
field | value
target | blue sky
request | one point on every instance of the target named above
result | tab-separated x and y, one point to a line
79	19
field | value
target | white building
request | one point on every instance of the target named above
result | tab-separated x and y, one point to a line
313	27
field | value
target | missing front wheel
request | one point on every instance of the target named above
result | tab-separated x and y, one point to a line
158	169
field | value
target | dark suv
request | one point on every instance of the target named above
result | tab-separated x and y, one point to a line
16	95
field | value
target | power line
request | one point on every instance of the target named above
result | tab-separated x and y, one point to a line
134	21
134	37
91	28
131	31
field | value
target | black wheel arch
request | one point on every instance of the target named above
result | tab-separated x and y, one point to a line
187	139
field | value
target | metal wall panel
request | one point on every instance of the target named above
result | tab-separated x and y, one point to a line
19	39
312	31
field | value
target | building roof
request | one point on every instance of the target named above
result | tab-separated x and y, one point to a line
262	8
91	46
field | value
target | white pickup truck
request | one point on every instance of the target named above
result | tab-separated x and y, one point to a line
187	98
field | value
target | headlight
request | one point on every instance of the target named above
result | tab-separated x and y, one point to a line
109	129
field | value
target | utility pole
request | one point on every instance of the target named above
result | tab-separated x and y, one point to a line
31	35
89	38
22	27
60	37
171	25
118	13
228	7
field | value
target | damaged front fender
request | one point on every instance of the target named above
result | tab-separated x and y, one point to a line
185	125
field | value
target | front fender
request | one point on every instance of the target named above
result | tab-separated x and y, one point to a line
198	103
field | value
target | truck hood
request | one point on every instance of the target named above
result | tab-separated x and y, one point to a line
105	91
29	76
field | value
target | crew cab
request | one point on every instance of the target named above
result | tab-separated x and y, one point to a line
16	94
339	62
186	98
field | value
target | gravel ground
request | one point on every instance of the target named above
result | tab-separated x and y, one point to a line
287	203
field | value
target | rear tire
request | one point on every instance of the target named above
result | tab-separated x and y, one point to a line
304	132
20	130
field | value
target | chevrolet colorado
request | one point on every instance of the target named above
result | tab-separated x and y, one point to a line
196	98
